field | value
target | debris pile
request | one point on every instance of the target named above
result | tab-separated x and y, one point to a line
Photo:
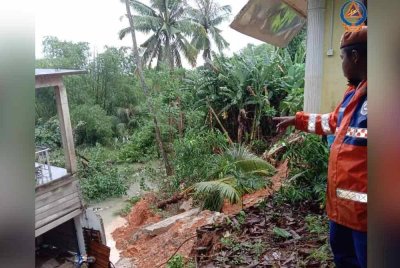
266	235
149	241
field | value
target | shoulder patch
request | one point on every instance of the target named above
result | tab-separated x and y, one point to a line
364	109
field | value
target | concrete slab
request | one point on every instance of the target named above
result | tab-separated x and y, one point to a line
164	225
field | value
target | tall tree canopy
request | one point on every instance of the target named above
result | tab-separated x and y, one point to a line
64	54
169	26
209	15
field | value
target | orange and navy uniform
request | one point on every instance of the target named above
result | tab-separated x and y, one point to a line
347	170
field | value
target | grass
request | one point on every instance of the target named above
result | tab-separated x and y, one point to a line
321	254
317	224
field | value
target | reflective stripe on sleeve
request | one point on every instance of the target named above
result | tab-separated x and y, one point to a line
350	195
325	124
311	123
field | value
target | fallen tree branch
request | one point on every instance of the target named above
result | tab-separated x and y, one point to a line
184	242
220	124
174	199
85	162
274	152
81	156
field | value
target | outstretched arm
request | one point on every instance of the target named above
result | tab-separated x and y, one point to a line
321	124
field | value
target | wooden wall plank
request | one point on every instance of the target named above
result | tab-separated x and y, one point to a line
47	81
73	199
51	225
59	214
56	195
101	253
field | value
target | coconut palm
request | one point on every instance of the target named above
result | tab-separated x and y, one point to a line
169	27
138	61
209	15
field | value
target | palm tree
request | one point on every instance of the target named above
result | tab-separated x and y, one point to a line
238	172
166	21
145	88
209	15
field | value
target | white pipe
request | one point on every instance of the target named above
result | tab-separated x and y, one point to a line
314	56
330	50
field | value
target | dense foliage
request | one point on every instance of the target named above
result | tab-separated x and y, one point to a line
202	113
308	163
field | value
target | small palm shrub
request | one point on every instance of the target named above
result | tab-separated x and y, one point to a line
236	173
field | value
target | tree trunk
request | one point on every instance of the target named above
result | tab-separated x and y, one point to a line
164	155
138	60
220	124
171	124
241	124
181	124
169	53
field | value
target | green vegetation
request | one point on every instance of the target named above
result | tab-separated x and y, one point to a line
317	224
308	165
212	121
235	173
100	180
177	261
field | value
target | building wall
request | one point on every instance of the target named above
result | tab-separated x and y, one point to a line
334	83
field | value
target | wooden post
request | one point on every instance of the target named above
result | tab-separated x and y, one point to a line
79	235
65	127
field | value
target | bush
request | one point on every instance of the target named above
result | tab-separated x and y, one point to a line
141	147
258	146
48	133
293	102
100	181
91	125
195	156
308	165
176	261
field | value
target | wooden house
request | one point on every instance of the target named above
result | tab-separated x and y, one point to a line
61	218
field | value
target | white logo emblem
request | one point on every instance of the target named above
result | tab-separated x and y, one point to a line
364	110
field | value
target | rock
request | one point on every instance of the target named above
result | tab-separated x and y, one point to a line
125	263
186	205
164	225
216	217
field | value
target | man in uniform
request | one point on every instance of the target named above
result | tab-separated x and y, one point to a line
347	170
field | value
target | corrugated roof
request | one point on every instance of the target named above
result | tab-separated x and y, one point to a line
262	19
54	72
